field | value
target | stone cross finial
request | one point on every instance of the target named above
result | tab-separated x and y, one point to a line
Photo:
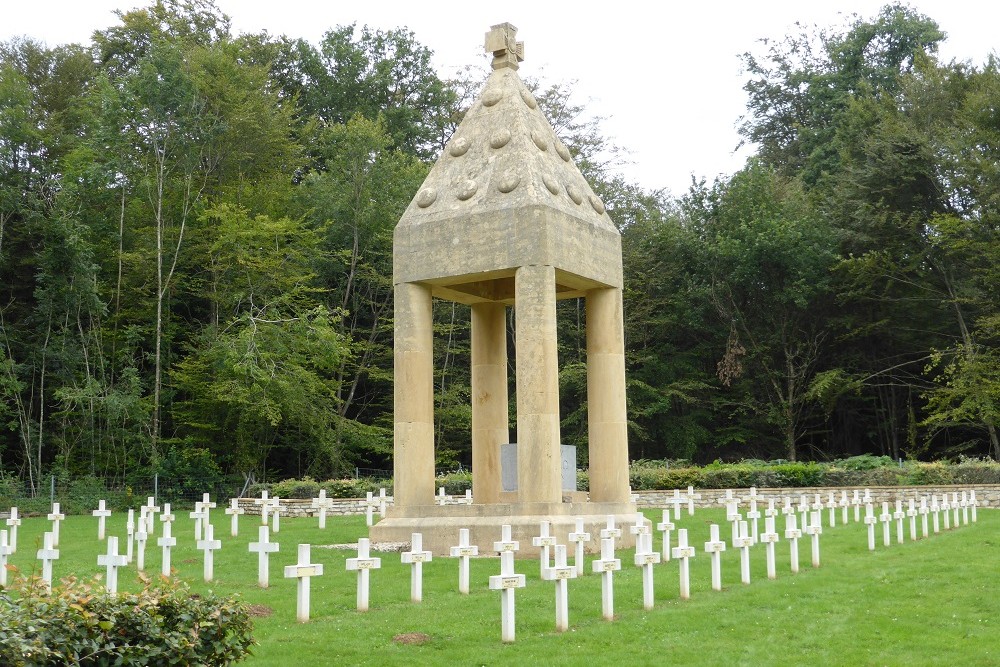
502	42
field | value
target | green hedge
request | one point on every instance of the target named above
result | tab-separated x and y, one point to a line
81	624
856	471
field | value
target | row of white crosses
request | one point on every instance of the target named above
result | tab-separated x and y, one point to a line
442	498
946	510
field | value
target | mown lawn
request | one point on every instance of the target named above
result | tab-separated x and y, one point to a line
929	602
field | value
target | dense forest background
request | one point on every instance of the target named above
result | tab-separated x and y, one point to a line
196	235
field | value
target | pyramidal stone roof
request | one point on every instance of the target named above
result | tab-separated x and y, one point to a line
504	166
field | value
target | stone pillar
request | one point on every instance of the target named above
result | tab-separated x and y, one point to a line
606	415
538	454
489	399
413	396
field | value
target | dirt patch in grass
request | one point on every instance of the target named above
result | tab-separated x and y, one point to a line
259	610
412	638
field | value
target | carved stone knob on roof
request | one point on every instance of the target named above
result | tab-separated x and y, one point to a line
500	138
459	147
508	182
426	197
466	189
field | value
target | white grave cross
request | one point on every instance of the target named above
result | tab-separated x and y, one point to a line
140	547
507	582
843	507
129	534
964	503
5	552
715	547
275	509
607	564
264	504
578	537
506	544
462	552
815	529
886	518
166	541
263	548
677	501
324	505
55	517
899	515
665	527
112	561
234	511
12	523
610	530
102	513
946	511
935	513
753	514
769	537
691	497
47	554
303	571
743	542
870	520
923	510
560	573
831	504
371	503
684	552
362	565
200	517
792	534
911	511
544	540
209	545
646	558
415	558
973	504
151	510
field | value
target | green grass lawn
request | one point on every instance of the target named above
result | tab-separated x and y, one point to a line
930	602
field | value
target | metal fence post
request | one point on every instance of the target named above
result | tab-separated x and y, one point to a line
52	489
156	487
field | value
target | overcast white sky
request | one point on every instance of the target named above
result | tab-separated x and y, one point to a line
666	74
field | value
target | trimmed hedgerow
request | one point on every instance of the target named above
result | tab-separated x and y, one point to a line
81	624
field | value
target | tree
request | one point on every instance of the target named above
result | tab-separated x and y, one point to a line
769	260
353	202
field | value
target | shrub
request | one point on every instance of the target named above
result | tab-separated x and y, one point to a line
78	623
799	474
296	488
454	483
928	474
864	462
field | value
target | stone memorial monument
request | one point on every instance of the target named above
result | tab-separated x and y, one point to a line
506	220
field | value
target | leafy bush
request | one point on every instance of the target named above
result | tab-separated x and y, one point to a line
798	474
454	483
296	488
187	472
864	462
928	474
79	623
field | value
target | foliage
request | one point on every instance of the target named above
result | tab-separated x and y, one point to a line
79	623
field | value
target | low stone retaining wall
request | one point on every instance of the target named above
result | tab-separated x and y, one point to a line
987	495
